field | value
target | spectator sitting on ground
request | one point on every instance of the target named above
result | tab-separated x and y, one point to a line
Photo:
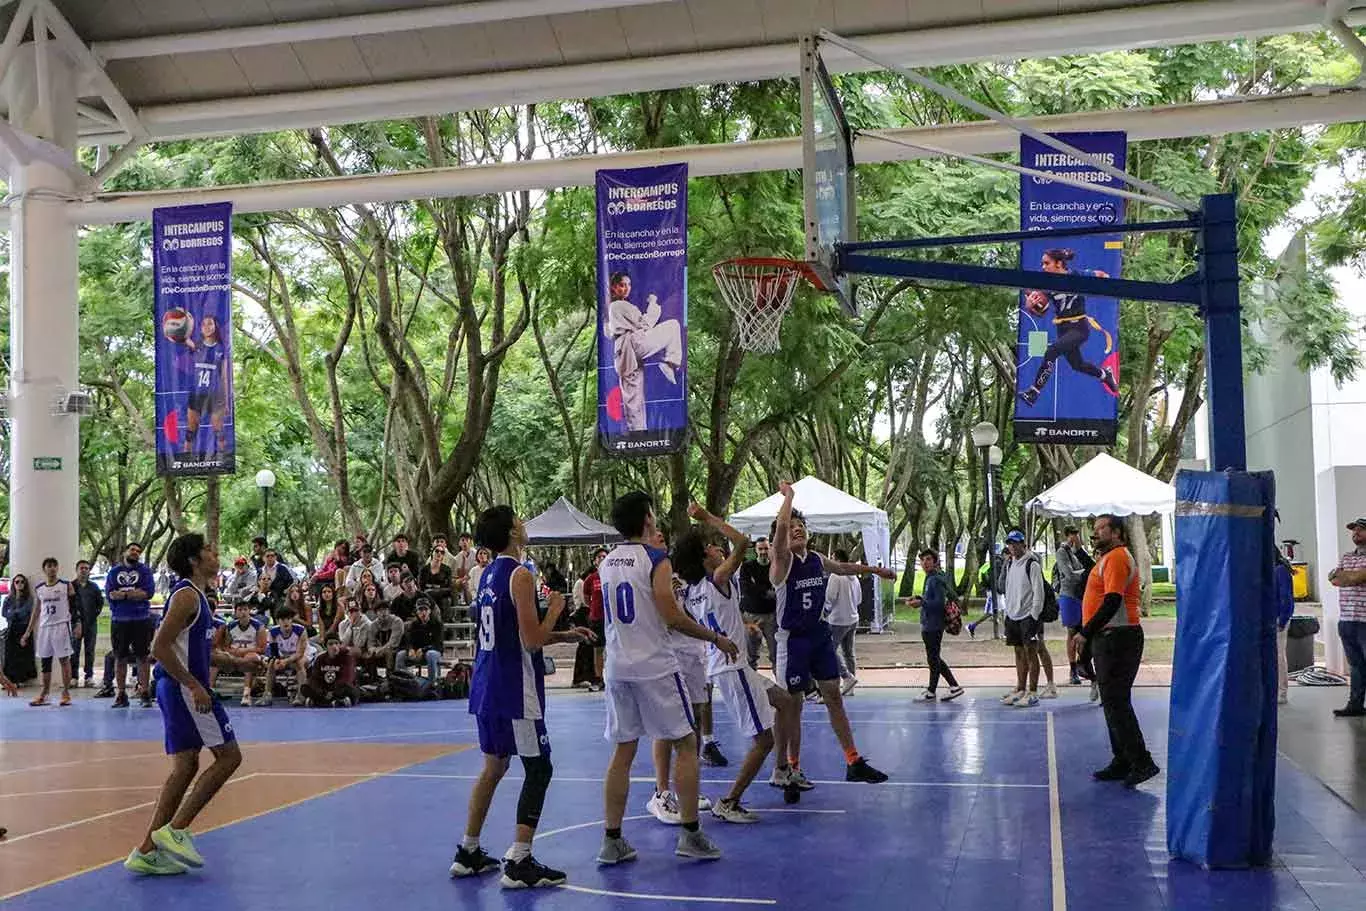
369	600
404	607
404	556
383	638
288	652
353	631
423	640
245	637
329	609
242	583
393	582
366	561
337	563
332	678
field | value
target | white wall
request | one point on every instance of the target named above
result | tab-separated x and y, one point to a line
1342	498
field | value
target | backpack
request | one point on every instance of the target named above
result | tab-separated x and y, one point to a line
408	687
953	618
456	683
1049	614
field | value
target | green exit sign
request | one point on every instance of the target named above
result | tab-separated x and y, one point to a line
47	463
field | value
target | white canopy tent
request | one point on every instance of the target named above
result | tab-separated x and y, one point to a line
1105	485
828	510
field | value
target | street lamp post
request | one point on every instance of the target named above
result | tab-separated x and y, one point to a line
984	437
265	479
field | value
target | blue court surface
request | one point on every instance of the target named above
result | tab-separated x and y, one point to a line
988	808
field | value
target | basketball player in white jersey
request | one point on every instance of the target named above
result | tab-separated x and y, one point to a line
713	588
245	638
645	693
806	648
51	622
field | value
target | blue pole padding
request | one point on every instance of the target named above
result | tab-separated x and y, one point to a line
1222	309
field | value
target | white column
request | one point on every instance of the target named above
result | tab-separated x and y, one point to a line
44	346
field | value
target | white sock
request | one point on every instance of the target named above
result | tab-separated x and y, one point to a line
519	851
470	843
707	738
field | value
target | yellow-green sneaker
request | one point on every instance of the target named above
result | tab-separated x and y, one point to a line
177	843
157	863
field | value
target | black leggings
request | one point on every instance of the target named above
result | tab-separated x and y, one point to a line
937	664
1071	336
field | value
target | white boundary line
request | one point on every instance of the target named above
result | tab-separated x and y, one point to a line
1055	824
75	762
129	787
644	780
671	898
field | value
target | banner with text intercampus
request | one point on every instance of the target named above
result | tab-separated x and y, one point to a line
1067	376
643	310
192	261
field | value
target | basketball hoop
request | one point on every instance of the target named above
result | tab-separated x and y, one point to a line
758	290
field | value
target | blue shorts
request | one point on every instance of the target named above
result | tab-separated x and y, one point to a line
187	729
803	657
512	736
1069	611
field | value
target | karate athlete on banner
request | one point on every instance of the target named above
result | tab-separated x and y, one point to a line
636	336
1074	327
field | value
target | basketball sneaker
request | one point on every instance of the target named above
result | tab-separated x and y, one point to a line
712	755
178	844
1049	692
472	863
860	770
529	873
780	778
953	693
664	807
615	851
1026	701
697	846
1012	697
800	781
157	863
733	811
1107	376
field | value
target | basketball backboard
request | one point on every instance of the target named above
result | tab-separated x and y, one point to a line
827	174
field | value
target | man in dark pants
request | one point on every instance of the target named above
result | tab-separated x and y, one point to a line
758	603
1110	623
933	602
1349	578
89	603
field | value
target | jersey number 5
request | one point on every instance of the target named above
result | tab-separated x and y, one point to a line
625	598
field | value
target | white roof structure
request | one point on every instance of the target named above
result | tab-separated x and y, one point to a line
1106	485
827	509
563	524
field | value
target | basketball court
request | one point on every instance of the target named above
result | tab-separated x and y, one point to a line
987	808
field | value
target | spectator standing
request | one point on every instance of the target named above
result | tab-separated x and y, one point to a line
20	663
1110	623
1023	605
403	555
277	577
464	568
258	553
366	561
422	641
242	583
89	605
933	603
1285	609
758	604
1071	564
1349	578
128	587
592	587
50	628
843	595
332	678
383	638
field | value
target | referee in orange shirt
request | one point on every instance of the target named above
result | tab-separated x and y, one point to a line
1111	632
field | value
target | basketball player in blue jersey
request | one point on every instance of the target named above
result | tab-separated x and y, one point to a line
713	589
507	699
645	694
806	649
209	392
193	716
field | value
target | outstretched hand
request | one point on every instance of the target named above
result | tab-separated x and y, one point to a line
885	572
786	489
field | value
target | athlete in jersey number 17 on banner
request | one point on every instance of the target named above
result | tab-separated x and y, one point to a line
1067	376
192	262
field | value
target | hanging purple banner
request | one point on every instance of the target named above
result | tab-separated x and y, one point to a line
1067	367
643	310
192	259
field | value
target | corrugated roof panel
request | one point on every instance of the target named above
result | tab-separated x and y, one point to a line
589	36
398	55
663	29
334	62
522	43
273	69
720	22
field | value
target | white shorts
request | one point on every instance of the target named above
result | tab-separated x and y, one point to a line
745	691
658	709
53	641
693	668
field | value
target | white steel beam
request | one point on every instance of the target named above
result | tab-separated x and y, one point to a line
1041	36
979	138
405	20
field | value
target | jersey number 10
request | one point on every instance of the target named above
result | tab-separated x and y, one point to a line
625	600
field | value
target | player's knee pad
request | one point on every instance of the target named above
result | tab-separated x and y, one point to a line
538	770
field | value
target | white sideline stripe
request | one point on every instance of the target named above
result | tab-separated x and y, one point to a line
670	898
89	819
276	743
1055	824
641	780
63	765
130	787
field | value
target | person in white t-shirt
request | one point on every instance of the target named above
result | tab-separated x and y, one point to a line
645	694
843	595
50	627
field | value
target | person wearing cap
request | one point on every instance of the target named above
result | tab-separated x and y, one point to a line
1349	578
1111	627
353	630
422	640
1023	608
332	678
242	584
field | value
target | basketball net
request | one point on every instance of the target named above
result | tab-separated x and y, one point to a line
759	292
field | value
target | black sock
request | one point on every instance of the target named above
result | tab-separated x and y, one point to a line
690	826
613	833
1073	665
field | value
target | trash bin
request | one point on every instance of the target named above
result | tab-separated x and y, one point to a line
1299	643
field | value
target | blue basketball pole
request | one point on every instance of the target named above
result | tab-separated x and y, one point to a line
1222	310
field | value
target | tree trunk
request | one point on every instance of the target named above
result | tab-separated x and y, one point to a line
1138	543
211	510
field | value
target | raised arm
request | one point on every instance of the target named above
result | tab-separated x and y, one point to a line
738	540
836	568
780	548
677	619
